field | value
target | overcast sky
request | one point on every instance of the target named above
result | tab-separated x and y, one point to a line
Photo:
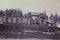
51	6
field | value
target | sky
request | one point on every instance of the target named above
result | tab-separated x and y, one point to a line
51	6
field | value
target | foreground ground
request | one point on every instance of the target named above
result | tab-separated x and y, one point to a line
30	39
29	35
